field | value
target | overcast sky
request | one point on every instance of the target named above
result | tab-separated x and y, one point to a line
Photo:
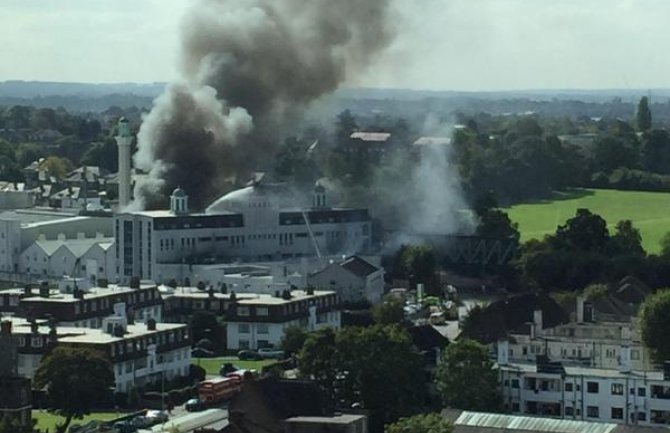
441	44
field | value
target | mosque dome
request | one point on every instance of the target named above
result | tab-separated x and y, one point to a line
261	195
178	192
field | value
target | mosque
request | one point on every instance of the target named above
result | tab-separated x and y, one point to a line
262	222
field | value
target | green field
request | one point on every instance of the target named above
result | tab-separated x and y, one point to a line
649	211
46	420
212	365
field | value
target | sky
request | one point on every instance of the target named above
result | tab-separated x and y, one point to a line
469	45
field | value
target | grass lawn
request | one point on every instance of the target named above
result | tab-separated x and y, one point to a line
212	365
46	420
649	211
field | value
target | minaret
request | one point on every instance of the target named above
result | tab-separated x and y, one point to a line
123	141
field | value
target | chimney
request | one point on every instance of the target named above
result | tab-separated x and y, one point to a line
151	325
6	328
537	322
625	364
580	309
503	352
28	289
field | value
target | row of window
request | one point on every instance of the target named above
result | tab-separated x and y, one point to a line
571	353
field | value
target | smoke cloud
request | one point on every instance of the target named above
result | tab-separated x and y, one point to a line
249	68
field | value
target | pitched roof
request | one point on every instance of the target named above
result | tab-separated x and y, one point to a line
425	337
467	421
358	266
501	317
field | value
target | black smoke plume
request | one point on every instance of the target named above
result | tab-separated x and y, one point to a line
249	68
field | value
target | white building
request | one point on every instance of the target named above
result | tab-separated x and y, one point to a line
257	322
139	353
20	230
620	395
353	279
250	225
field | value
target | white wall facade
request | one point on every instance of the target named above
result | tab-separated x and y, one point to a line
588	394
255	335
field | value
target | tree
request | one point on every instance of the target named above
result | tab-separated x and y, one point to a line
204	325
643	115
655	324
293	340
424	423
466	378
26	153
377	367
495	223
389	312
665	246
76	380
586	231
627	239
419	263
56	166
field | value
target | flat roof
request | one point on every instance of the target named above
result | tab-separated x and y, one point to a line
344	418
609	373
92	293
296	295
532	424
99	336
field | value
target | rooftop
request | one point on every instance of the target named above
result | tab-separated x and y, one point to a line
95	292
432	141
99	336
336	419
371	136
588	371
512	423
296	295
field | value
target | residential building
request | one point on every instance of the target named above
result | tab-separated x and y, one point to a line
181	303
353	279
140	353
15	391
257	322
621	395
251	224
87	307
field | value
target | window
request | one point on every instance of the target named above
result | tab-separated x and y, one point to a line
568	387
263	343
243	328
610	353
36	342
592	412
634	354
244	344
617	413
617	389
592	387
642	416
515	383
262	328
262	311
569	411
642	392
515	407
242	311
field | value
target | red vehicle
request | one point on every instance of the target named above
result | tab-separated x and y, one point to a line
216	390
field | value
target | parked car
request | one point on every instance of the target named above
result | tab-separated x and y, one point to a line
248	355
125	427
194	405
270	353
159	416
200	352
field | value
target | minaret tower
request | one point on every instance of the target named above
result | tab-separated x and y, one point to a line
123	141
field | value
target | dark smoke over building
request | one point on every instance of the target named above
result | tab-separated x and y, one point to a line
249	68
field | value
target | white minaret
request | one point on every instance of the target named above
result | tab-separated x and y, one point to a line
123	141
